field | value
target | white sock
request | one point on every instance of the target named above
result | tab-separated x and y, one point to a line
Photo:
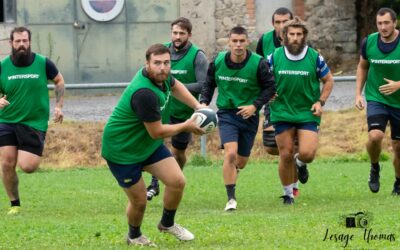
295	185
288	190
298	162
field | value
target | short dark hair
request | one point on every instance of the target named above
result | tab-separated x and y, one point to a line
184	23
282	11
383	11
20	29
156	49
238	30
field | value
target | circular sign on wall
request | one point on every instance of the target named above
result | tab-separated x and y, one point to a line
102	10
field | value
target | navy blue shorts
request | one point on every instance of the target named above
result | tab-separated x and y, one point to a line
233	128
378	115
181	140
23	137
283	126
129	175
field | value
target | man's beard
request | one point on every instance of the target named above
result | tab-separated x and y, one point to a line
294	48
157	78
183	44
21	55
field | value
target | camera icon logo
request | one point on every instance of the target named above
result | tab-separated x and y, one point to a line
358	220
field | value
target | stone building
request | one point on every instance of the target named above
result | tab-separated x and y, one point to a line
332	23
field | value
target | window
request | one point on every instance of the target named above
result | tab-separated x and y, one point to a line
8	11
102	10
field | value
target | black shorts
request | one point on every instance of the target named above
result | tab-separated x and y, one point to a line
128	175
378	116
234	128
181	140
23	137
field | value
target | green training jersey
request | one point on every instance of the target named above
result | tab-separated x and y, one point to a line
381	65
125	138
268	43
236	87
26	90
183	70
297	87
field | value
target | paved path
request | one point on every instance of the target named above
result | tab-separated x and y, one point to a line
99	108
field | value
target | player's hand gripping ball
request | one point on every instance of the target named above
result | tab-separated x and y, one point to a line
206	118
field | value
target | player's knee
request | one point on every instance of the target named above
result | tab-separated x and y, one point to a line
140	206
307	157
396	148
8	163
376	136
271	150
240	164
230	156
179	183
286	155
29	167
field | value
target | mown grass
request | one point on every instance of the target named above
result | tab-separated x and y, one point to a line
84	209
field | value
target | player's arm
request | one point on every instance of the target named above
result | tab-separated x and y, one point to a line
266	81
361	74
200	70
259	48
180	92
325	75
56	77
4	102
361	77
3	98
327	87
146	105
209	86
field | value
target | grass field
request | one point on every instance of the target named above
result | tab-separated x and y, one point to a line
84	209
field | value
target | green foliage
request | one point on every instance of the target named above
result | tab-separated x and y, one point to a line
85	209
197	160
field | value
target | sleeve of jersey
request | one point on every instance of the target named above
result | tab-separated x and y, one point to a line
51	69
146	105
270	60
259	48
363	49
209	86
322	67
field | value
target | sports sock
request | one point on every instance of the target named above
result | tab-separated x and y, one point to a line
295	185
230	190
397	179
15	203
375	166
134	232
168	217
154	181
298	162
288	190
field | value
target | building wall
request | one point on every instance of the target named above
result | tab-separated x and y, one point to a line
333	28
264	11
201	14
332	24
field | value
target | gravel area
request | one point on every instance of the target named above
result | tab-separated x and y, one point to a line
99	108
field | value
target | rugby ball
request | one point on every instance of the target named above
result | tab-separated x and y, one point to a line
206	118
